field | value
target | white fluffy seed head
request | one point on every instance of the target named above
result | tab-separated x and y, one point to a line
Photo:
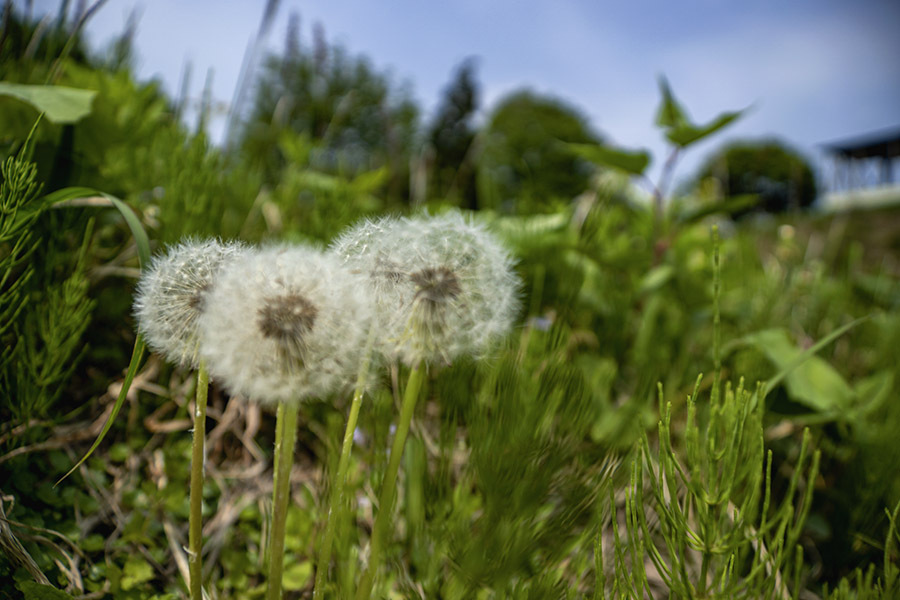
285	323
365	249
171	295
443	286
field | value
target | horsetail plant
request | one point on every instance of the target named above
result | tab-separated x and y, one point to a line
721	537
284	324
170	298
443	287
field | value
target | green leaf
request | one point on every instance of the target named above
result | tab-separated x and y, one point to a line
809	380
687	133
369	181
296	576
656	278
679	130
318	181
872	392
68	196
136	356
59	103
40	591
670	114
631	161
728	205
136	571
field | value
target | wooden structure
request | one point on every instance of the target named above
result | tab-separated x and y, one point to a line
864	162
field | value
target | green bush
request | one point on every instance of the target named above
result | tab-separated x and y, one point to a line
779	177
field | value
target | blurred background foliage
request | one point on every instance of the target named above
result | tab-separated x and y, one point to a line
508	476
779	177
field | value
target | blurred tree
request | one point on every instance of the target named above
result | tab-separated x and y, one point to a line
451	138
780	177
356	118
523	167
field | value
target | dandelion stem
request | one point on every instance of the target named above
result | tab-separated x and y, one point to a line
337	486
195	536
389	485
285	438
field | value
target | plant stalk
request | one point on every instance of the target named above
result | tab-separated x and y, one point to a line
198	458
339	483
389	485
285	439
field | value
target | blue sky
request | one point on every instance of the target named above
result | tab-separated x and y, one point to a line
813	71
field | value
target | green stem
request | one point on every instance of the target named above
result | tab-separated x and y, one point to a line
339	483
389	485
285	438
195	536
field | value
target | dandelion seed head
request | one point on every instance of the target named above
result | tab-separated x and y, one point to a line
462	294
442	286
171	296
285	323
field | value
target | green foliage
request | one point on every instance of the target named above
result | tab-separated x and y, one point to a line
314	202
863	584
357	118
49	346
44	316
18	192
523	167
451	138
39	42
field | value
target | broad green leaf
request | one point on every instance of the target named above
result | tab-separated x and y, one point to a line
60	104
136	571
812	350
631	161
809	380
687	133
670	114
296	576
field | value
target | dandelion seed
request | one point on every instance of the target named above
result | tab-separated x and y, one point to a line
171	295
285	323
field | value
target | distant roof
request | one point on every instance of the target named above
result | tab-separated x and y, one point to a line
885	143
